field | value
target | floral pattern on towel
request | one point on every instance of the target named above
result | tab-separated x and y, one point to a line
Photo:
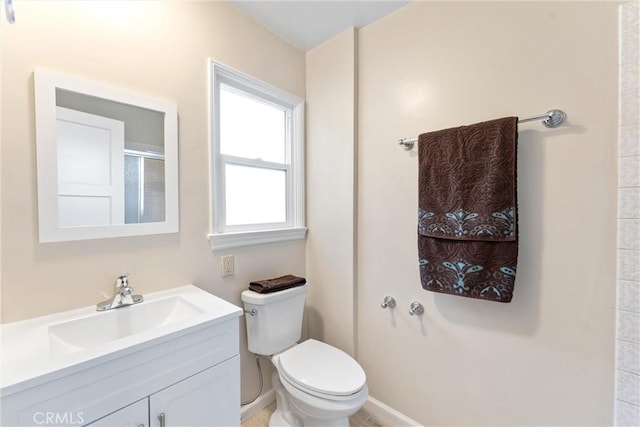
450	269
465	225
461	269
452	278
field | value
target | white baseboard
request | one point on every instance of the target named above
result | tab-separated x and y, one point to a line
258	405
387	415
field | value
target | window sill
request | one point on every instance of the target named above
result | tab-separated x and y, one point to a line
248	238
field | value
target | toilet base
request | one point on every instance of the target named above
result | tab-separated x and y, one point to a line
283	416
339	422
277	420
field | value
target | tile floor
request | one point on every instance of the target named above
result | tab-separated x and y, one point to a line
359	419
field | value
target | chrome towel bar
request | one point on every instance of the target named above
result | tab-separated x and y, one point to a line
550	119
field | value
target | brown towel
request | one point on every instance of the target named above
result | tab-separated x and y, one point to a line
277	284
467	216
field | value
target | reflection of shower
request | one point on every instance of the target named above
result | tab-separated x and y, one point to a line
11	14
144	193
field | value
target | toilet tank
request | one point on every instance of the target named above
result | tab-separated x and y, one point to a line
277	322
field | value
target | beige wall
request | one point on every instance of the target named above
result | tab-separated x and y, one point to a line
547	357
330	143
155	48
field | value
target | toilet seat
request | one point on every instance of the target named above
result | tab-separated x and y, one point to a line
321	370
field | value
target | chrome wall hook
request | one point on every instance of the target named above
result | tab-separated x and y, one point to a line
10	12
388	302
416	308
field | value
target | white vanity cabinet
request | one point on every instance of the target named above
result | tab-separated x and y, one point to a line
187	368
134	415
209	398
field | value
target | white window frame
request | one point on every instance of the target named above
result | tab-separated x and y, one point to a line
224	236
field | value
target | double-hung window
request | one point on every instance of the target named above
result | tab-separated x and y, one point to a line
257	161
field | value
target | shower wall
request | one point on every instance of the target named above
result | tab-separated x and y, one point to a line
627	405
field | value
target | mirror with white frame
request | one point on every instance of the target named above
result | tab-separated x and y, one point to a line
107	160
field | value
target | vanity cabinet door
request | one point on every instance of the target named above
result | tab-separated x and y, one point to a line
209	398
134	415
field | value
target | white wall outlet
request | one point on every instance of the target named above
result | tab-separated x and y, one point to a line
227	265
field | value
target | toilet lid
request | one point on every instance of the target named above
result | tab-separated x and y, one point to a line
316	366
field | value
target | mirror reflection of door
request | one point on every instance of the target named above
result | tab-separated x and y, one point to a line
90	169
110	162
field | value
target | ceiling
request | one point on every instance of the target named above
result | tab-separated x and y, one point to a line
307	23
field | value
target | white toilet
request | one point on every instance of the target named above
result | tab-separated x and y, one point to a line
315	384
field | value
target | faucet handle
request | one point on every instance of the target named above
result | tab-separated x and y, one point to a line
122	281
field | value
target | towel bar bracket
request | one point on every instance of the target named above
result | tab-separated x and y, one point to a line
407	143
554	118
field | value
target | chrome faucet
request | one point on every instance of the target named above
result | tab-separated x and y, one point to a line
123	295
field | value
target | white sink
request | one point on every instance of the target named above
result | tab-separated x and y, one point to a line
103	327
37	350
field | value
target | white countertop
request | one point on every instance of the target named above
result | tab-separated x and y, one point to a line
27	357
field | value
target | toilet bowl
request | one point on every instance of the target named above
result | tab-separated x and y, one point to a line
316	384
